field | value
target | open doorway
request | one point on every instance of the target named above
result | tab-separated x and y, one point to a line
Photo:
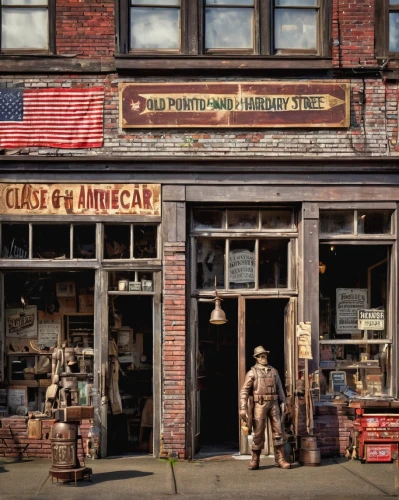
264	323
217	370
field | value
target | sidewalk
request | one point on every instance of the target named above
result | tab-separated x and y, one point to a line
220	477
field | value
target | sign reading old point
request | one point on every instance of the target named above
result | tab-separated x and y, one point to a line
229	105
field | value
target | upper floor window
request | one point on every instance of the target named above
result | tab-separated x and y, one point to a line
26	25
393	25
250	27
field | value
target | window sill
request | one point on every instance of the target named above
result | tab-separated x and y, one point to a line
44	63
167	62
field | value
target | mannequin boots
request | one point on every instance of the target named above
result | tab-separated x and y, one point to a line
280	458
254	463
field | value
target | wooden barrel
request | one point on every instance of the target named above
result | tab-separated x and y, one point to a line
310	458
309	443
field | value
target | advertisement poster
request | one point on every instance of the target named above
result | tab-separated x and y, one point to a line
303	334
21	323
242	266
349	301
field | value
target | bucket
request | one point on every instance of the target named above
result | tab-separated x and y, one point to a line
309	443
310	458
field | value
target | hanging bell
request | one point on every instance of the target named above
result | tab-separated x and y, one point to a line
218	316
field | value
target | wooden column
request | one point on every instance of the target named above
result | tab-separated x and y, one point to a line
309	276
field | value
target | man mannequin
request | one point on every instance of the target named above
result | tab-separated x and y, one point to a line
264	382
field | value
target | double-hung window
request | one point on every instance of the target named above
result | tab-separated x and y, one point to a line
231	27
26	25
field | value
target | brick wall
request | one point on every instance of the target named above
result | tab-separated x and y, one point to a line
173	439
38	448
373	131
85	27
333	426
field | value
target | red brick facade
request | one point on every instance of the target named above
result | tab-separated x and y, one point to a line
173	439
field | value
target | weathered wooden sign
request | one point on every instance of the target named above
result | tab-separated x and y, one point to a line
259	105
80	199
349	300
371	319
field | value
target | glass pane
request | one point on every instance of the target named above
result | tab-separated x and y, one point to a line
242	264
337	221
394	31
277	219
295	29
229	2
374	221
229	28
24	2
84	241
145	241
243	219
155	2
207	219
393	2
117	242
51	241
273	263
24	29
154	28
15	241
210	263
296	3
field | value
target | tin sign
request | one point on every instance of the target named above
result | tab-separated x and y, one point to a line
349	301
371	319
378	453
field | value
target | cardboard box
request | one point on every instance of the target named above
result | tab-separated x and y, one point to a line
67	305
86	303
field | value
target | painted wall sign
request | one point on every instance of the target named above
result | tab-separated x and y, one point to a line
244	104
349	300
80	199
371	319
242	266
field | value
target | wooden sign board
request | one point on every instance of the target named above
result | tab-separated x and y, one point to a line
21	323
80	199
234	105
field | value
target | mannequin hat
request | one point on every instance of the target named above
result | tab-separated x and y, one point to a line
260	350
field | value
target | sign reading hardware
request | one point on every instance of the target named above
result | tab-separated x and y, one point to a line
261	105
371	319
80	199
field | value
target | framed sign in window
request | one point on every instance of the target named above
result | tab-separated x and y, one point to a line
337	381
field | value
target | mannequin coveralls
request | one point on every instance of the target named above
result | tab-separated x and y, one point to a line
265	384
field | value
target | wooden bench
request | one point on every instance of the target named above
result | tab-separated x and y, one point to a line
11	446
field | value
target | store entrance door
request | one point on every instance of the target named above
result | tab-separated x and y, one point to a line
268	323
225	354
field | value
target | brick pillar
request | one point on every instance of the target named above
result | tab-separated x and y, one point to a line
174	350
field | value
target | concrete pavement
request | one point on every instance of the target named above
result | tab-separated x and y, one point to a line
221	477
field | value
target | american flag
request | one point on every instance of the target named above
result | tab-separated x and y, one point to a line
59	118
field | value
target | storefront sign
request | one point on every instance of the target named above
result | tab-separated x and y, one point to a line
371	319
80	199
21	323
260	105
349	301
242	266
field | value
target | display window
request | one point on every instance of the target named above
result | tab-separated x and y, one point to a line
356	309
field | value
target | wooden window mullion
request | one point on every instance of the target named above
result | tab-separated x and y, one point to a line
190	11
124	22
265	27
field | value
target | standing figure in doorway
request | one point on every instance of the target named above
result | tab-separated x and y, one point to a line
264	383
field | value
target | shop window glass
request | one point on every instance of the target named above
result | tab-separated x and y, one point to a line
243	219
295	28
242	266
276	219
337	222
207	219
51	241
117	241
273	260
15	241
374	221
145	241
84	241
210	263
